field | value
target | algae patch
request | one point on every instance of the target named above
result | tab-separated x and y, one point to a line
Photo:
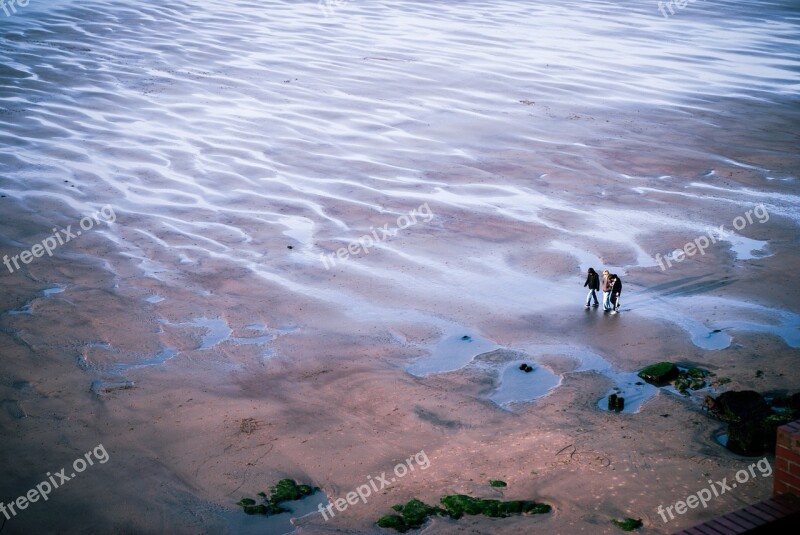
628	524
287	490
415	513
659	374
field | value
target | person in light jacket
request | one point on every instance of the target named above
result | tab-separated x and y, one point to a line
606	286
593	283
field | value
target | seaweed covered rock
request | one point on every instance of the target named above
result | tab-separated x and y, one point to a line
412	515
497	483
752	425
659	374
756	436
458	505
287	490
739	406
691	379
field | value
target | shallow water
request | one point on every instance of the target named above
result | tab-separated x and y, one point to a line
277	524
227	132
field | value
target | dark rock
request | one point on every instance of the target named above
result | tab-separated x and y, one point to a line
751	424
497	483
612	402
620	406
740	406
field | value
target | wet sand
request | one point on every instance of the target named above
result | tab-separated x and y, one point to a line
238	143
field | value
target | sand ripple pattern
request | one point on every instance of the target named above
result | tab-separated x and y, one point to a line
224	130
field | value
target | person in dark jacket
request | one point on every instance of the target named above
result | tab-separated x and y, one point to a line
593	283
616	291
605	285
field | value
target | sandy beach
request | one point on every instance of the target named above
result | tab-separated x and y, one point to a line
247	241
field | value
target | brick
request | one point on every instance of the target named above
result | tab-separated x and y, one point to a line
782	452
792	425
788	479
778	487
783	438
789	434
781	464
793	468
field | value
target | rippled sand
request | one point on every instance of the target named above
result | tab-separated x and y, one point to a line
240	143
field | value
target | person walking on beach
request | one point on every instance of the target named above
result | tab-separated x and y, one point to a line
616	291
605	285
593	282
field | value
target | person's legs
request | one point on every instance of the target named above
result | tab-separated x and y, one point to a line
606	300
591	296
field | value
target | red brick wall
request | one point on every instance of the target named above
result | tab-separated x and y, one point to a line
787	460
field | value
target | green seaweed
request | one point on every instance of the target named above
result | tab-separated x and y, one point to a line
415	513
412	515
497	483
393	522
659	374
264	509
628	524
697	373
287	490
458	505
